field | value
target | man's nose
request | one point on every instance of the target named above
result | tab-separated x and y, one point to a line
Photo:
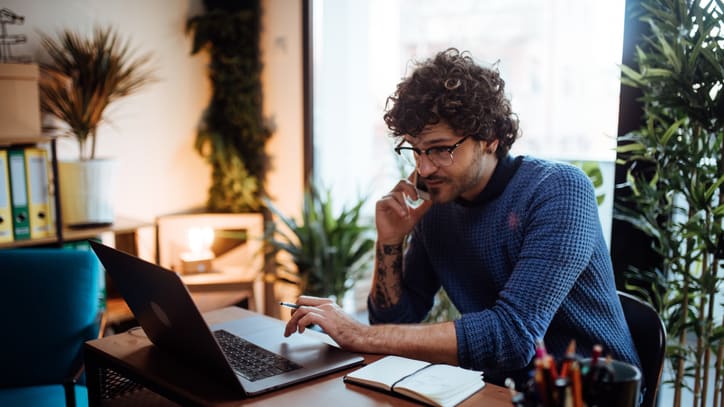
425	166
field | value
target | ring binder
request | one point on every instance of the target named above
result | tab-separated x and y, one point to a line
19	194
6	216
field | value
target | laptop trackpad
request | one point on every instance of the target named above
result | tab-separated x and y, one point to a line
250	325
269	334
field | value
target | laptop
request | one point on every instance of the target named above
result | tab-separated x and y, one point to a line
249	354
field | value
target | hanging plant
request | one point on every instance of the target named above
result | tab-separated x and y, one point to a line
233	133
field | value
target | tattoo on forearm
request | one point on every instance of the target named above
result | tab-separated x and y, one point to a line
387	288
393	249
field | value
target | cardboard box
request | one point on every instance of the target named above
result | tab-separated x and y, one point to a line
19	102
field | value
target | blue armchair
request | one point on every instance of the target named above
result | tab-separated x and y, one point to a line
49	299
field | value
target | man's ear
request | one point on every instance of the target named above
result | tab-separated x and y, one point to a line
491	146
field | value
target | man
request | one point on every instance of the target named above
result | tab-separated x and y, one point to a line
515	242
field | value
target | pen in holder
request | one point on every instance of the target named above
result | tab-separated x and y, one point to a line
578	382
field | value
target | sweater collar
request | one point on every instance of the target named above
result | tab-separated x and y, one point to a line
503	172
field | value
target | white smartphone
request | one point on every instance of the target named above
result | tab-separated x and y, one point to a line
422	191
422	194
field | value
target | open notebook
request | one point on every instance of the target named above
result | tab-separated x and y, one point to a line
430	383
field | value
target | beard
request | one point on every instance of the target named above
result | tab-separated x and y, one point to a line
446	189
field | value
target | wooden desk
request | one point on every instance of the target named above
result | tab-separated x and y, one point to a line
126	369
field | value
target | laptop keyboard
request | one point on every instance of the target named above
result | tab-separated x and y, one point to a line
251	361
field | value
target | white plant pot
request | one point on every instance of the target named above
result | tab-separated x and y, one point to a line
86	191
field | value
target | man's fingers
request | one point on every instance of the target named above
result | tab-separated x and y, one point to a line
394	201
293	324
305	316
311	318
301	321
312	301
289	329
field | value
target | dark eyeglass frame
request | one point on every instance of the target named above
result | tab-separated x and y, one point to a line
428	151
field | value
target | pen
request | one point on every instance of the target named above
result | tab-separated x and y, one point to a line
540	383
576	384
292	305
597	352
540	349
569	358
288	304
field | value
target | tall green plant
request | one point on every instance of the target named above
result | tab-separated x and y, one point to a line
675	167
330	251
233	134
593	171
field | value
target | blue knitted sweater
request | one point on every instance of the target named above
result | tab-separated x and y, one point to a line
525	260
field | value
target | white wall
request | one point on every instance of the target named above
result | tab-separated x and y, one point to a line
281	47
152	133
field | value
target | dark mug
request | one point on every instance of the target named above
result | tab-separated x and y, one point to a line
613	383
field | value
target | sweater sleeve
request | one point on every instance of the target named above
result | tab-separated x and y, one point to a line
559	226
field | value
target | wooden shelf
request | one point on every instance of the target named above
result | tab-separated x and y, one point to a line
18	141
228	276
117	310
119	226
29	242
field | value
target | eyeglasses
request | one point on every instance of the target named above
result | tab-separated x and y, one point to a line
440	156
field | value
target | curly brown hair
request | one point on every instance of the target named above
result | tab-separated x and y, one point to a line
452	88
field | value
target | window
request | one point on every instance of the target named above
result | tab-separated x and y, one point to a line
559	59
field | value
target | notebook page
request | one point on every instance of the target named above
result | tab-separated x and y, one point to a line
442	385
386	371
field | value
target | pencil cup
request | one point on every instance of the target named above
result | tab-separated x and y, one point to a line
611	383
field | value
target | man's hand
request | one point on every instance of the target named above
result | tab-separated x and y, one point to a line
435	343
394	219
345	330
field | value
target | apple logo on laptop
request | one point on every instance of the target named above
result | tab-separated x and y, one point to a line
160	314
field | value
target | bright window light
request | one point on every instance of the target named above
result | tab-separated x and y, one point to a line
560	60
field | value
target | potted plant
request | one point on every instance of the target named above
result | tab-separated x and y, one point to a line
329	251
675	167
82	78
